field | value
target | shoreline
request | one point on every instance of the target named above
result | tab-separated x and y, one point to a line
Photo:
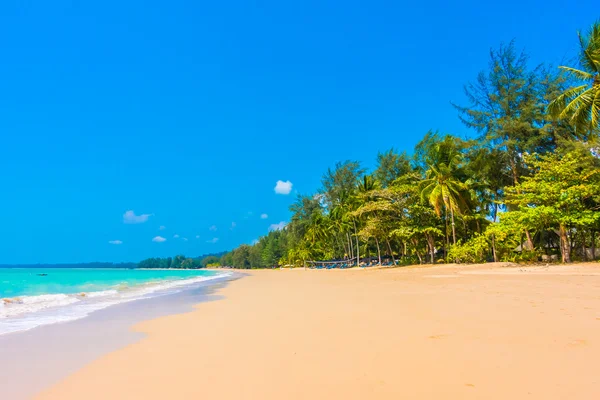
34	308
42	356
453	332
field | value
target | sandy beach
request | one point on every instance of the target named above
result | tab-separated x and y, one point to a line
447	332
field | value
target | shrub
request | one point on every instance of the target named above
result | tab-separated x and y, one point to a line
473	251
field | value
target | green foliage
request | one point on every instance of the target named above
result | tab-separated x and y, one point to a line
525	256
561	194
178	262
340	181
472	251
442	187
391	165
210	260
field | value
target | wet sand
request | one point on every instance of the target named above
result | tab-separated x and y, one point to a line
447	332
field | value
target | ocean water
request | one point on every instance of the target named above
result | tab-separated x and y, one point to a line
32	297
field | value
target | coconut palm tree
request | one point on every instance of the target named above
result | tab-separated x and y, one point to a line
441	186
367	184
580	105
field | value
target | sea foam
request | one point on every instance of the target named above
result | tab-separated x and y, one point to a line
27	312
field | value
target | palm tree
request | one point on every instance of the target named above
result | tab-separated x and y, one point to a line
318	229
367	184
372	227
580	105
441	186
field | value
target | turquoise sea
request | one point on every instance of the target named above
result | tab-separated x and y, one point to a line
33	297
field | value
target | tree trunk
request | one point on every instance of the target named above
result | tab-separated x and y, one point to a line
593	244
583	248
378	250
419	256
494	248
417	252
357	246
391	252
341	243
565	248
530	245
350	245
431	243
513	168
453	227
447	238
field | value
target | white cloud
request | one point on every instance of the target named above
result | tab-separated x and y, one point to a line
185	239
175	236
283	187
255	241
159	239
130	218
115	242
277	227
162	228
264	216
233	225
197	236
213	240
213	228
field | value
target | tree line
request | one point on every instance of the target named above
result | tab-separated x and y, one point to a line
181	262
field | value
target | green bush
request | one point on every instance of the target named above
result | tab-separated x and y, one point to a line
473	251
522	257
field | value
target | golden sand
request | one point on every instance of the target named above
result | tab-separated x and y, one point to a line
475	332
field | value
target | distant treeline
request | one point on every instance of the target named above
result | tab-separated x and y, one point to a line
182	262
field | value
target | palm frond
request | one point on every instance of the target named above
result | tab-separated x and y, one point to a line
577	73
595	109
590	43
557	106
579	111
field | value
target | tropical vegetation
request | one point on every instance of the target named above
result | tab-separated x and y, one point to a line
182	262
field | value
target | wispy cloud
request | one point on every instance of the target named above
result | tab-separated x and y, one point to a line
162	228
197	236
131	218
175	236
159	239
213	240
277	227
115	242
184	239
282	187
233	225
264	216
213	228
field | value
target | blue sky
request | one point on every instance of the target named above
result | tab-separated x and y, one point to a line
187	113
